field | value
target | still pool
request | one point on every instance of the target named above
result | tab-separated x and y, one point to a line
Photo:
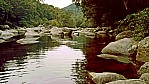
48	62
56	60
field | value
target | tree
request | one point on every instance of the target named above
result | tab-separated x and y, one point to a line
4	10
106	12
31	13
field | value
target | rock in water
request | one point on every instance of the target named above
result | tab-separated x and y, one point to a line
105	77
129	81
120	47
123	59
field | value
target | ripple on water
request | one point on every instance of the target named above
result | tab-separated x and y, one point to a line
46	65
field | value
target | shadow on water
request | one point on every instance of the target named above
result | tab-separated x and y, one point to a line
89	46
15	51
96	64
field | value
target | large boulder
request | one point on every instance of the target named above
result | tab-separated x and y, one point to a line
144	68
14	31
102	35
56	31
123	59
143	50
6	35
129	81
105	77
145	77
124	34
120	47
68	31
31	33
3	27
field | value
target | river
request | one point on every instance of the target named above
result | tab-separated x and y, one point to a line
52	61
55	60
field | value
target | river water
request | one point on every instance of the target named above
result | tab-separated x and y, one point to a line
55	60
52	61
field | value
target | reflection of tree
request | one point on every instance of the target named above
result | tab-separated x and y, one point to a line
96	64
20	52
79	73
13	51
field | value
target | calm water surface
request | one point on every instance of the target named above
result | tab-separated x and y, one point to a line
49	62
57	61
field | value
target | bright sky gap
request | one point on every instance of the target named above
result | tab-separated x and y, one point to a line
58	3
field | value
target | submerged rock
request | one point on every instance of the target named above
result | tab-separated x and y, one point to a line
129	81
105	77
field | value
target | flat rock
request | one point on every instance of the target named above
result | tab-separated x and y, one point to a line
28	41
123	59
105	77
129	81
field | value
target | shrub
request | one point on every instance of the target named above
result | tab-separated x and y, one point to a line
137	22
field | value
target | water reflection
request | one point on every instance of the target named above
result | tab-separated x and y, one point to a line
47	62
79	72
96	64
57	60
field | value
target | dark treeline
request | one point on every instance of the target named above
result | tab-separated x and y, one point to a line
106	12
29	13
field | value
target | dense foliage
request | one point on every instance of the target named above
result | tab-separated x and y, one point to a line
106	12
31	13
78	15
137	22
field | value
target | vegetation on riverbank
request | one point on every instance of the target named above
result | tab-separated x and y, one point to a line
30	13
137	22
121	15
107	12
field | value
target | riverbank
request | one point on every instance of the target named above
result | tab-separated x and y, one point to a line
104	54
126	51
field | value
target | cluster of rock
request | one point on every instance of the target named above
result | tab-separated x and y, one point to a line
7	34
125	50
31	35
